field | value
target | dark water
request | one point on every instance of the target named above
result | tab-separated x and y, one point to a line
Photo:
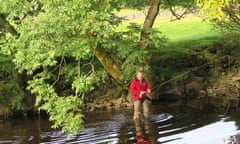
167	125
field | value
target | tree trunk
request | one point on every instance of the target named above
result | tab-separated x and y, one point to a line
7	26
149	21
109	64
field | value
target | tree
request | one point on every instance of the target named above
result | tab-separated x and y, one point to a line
48	35
214	9
225	13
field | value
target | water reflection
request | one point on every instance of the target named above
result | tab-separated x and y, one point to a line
234	139
179	125
219	132
146	130
143	132
22	130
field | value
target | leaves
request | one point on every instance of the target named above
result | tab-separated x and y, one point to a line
61	109
213	9
11	93
131	54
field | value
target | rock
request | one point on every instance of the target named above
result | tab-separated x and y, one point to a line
98	106
223	73
124	93
119	101
110	104
194	86
92	109
202	93
195	83
176	91
209	91
192	93
129	104
221	91
235	78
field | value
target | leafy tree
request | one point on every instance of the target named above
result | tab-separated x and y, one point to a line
231	21
214	9
225	13
50	31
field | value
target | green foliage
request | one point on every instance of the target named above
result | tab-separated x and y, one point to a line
231	22
12	97
214	9
225	13
62	110
55	47
166	4
85	84
131	54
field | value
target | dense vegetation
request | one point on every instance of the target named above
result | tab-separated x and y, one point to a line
61	51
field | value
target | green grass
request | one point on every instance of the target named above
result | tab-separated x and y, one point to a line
187	47
185	36
190	28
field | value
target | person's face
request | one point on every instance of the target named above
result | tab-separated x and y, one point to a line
139	75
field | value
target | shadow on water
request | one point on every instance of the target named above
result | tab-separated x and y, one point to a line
168	124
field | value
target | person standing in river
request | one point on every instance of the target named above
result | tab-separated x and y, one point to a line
140	90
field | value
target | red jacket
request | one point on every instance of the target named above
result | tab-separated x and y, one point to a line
136	87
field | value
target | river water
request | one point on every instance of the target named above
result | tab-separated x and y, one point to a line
175	124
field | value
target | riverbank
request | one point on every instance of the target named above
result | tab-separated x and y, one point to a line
212	70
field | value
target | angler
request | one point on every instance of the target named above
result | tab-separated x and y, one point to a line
140	90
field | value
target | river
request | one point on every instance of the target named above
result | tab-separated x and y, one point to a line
167	124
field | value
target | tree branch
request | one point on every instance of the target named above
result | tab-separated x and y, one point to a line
59	70
173	11
109	64
9	28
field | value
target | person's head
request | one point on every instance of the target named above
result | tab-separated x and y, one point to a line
139	75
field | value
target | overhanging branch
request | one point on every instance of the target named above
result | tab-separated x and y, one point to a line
5	24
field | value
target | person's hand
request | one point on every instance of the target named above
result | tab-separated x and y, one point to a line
148	90
142	93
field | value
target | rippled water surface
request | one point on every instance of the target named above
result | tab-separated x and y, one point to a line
166	125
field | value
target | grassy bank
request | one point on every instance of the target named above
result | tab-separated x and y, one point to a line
190	28
184	36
